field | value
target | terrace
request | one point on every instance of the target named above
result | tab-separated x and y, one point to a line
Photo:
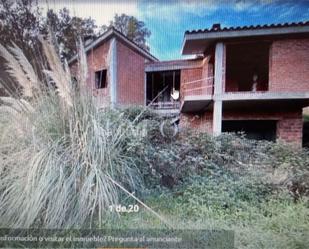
240	79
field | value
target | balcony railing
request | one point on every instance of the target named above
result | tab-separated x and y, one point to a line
165	105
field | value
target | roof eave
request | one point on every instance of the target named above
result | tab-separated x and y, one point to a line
208	37
108	34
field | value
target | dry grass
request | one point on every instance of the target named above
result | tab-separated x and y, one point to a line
58	151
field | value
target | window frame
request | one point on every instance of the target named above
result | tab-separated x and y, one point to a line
100	79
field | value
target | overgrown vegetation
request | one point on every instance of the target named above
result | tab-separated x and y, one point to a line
259	189
60	157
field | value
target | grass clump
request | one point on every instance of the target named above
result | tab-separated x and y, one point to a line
60	153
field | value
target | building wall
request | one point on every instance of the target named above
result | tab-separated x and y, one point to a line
288	72
189	75
289	65
130	76
290	130
97	59
197	122
207	75
289	122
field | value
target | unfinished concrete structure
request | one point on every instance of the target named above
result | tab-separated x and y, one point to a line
253	79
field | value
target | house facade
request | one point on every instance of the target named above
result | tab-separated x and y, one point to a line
253	79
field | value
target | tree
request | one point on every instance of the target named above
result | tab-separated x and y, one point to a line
19	23
22	22
132	28
67	30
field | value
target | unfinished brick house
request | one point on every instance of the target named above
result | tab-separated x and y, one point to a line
253	79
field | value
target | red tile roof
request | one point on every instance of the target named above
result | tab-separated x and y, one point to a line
217	28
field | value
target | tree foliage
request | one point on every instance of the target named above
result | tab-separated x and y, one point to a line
131	27
22	22
19	23
67	29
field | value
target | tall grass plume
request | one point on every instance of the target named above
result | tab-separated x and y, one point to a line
58	150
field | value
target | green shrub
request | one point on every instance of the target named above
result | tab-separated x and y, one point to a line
140	113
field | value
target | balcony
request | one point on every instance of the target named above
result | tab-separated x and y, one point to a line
197	95
166	108
246	101
264	100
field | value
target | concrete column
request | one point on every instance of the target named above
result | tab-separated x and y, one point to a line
145	88
113	72
218	86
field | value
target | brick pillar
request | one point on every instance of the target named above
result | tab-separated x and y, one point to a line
290	130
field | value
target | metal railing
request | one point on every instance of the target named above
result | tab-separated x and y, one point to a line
190	88
163	105
195	87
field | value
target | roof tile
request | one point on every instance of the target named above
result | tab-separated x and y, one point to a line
265	26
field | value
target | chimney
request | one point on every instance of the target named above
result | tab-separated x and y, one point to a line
216	26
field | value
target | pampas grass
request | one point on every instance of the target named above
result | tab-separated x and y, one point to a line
58	151
15	69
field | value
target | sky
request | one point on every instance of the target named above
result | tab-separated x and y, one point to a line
168	20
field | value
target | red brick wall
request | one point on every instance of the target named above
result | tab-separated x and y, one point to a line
188	75
130	76
207	74
289	65
197	122
97	59
289	123
290	130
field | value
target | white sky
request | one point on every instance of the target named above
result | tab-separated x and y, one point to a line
101	11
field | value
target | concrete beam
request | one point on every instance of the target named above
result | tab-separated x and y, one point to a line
165	66
236	96
145	89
